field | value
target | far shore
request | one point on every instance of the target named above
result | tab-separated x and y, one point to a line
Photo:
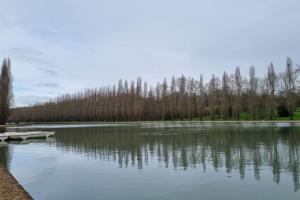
166	121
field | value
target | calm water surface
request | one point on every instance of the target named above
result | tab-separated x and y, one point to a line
159	161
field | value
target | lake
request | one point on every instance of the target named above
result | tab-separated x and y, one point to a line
172	160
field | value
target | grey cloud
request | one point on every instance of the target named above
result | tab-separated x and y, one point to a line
48	71
25	54
81	44
48	85
32	56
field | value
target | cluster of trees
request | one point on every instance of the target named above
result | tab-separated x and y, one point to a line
230	97
6	94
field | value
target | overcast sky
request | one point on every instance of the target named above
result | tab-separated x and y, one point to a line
63	46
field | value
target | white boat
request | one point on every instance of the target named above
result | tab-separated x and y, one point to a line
26	135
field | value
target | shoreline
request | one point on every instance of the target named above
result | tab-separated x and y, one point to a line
150	123
10	188
175	121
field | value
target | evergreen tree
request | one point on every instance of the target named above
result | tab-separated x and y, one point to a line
6	93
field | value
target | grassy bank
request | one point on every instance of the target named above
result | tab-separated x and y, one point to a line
247	117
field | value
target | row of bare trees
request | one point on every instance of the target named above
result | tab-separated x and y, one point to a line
233	97
6	93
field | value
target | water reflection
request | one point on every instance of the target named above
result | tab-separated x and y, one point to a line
247	150
2	129
250	151
5	155
4	151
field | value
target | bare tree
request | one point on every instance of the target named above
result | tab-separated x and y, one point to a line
213	96
253	86
182	97
238	92
201	96
225	96
288	85
173	99
164	99
271	86
192	99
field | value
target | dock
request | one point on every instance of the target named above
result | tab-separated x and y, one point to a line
25	135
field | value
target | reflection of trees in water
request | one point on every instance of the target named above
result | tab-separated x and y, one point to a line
2	129
5	156
232	149
4	151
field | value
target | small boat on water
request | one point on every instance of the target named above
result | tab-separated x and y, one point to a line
25	135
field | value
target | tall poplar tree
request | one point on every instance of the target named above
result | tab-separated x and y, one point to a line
6	93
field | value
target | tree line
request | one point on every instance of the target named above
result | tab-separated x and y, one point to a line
231	97
6	93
